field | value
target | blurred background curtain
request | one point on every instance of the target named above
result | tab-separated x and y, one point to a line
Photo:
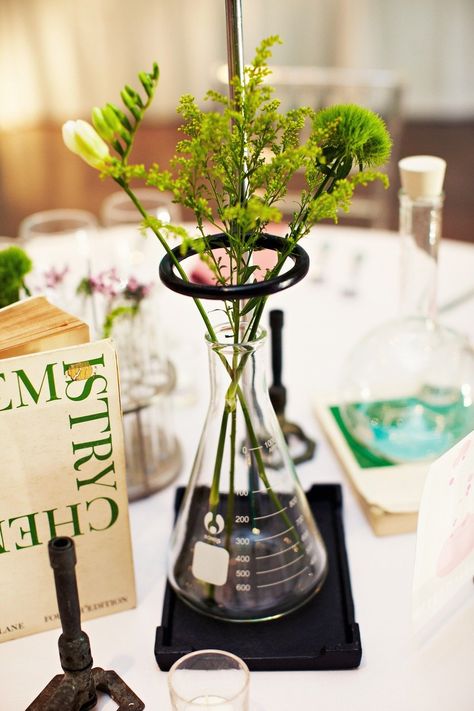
60	57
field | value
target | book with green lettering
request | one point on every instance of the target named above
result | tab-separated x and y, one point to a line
62	470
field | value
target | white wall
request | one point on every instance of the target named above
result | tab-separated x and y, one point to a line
58	58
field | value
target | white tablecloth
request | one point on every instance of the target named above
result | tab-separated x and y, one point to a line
396	673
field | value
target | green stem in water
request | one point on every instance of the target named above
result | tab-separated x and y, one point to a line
231	495
261	468
214	493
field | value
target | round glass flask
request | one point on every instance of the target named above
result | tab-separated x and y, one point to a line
408	387
245	546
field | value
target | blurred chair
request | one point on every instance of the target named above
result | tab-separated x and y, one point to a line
318	87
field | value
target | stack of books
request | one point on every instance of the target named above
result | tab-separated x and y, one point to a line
63	467
389	493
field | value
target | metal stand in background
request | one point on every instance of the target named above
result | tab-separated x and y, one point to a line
76	689
291	431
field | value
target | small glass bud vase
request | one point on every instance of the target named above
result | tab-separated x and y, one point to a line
245	546
147	380
128	311
408	387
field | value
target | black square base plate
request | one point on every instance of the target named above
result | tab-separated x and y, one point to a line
322	634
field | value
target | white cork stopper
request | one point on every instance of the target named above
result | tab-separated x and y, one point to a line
422	176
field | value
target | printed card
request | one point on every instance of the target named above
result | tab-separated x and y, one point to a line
444	563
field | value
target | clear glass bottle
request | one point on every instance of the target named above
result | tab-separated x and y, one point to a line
408	387
245	546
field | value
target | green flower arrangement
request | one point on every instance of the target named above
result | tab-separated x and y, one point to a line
234	165
232	168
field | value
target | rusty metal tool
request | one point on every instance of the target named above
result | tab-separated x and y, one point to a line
277	391
76	689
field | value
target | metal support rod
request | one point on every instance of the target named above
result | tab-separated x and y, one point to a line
276	326
235	66
301	446
235	41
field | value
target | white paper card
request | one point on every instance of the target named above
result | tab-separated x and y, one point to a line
210	563
444	562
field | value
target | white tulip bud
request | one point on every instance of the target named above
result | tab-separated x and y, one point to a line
82	138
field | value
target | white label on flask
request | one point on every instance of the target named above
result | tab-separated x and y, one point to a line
210	563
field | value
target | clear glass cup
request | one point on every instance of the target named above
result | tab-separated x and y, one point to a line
125	274
59	244
118	209
140	253
209	679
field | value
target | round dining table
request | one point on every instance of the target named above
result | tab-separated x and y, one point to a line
352	287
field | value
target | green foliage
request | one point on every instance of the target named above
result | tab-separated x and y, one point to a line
84	288
14	266
114	126
117	313
234	162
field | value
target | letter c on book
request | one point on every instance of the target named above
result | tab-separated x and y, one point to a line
114	512
10	404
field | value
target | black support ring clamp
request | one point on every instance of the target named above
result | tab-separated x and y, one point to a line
233	292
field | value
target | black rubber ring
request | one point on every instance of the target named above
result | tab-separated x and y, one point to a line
239	291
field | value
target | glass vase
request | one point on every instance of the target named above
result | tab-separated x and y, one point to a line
407	388
147	380
245	546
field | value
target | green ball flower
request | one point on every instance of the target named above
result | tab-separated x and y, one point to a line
351	133
14	265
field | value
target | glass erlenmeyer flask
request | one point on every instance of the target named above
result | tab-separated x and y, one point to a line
245	546
408	386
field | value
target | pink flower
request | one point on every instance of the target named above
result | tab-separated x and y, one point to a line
53	277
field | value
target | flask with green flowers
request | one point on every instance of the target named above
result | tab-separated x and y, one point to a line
245	546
